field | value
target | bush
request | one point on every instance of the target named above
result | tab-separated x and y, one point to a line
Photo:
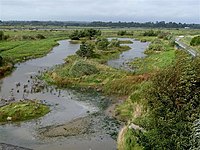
76	35
121	33
150	33
114	43
174	105
102	43
86	50
81	68
28	37
3	37
156	45
40	36
164	35
195	41
195	138
92	33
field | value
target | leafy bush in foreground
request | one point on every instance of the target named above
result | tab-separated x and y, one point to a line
195	41
174	105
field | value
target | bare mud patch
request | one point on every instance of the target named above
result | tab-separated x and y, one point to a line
75	127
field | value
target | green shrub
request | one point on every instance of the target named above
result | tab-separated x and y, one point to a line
102	43
195	41
173	99
81	68
86	50
195	138
150	33
164	35
40	36
3	36
28	37
92	33
122	33
114	43
156	45
76	34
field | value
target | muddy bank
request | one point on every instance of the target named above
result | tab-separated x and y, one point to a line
73	128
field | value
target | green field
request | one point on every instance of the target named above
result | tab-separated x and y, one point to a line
24	45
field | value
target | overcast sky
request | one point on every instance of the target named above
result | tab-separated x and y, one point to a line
101	10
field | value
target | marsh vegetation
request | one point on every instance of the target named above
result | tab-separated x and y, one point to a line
157	99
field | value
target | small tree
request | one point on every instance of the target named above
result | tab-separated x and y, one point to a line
92	33
86	50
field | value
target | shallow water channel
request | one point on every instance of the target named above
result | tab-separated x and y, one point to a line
136	51
66	105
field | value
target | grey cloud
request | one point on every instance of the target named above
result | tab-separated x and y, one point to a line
106	10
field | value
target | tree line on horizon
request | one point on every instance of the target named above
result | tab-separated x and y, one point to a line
157	24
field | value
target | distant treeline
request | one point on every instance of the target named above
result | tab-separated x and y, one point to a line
161	24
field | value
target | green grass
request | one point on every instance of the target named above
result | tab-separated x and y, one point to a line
24	45
4	45
154	62
126	42
18	34
23	50
19	48
62	77
131	141
20	111
134	106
